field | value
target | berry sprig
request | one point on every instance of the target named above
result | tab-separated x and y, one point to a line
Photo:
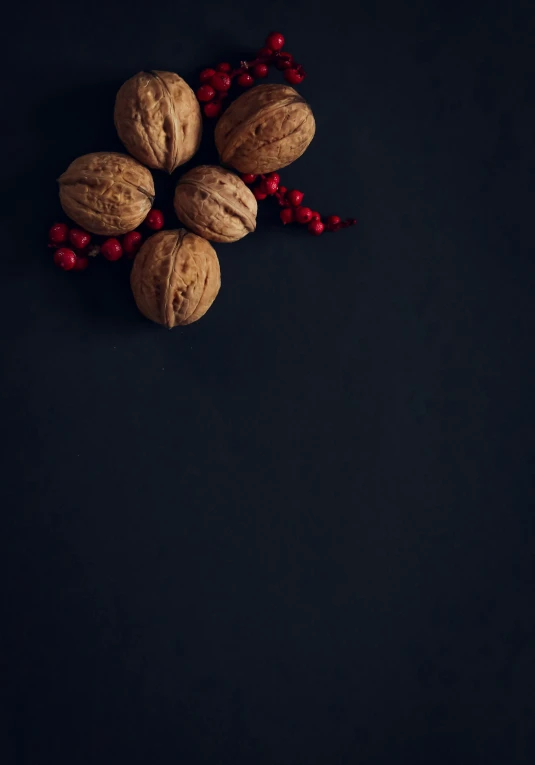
290	200
72	248
215	83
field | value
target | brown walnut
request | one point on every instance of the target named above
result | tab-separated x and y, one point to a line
216	204
175	277
158	119
266	128
106	193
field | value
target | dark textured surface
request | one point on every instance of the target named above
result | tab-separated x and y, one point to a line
299	532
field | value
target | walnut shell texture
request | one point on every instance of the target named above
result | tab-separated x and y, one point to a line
216	204
175	277
106	192
266	128
158	118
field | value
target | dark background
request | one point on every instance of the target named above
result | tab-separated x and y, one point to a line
299	532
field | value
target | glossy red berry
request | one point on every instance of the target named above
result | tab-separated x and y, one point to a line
270	186
282	190
132	242
260	70
81	263
275	41
248	178
316	227
154	220
265	53
220	81
245	80
274	177
111	249
259	193
303	214
58	233
316	216
293	76
206	75
206	92
287	215
79	238
332	221
295	197
283	60
224	67
65	258
212	109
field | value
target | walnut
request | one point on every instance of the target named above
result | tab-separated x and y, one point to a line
158	119
215	203
106	192
175	277
266	128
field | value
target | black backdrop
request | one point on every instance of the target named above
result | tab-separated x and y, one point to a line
301	531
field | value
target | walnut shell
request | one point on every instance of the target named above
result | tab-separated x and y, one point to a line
158	119
216	204
175	277
266	128
106	192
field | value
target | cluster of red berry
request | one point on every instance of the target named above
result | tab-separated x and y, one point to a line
215	83
72	250
290	201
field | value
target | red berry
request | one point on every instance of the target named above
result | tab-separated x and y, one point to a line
259	194
295	197
154	220
65	258
206	74
111	249
265	53
283	60
132	242
248	178
287	215
282	190
58	233
81	263
79	238
224	67
303	214
316	216
260	70
220	81
205	93
212	109
282	64
293	76
245	80
274	177
316	227
270	186
333	220
275	41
